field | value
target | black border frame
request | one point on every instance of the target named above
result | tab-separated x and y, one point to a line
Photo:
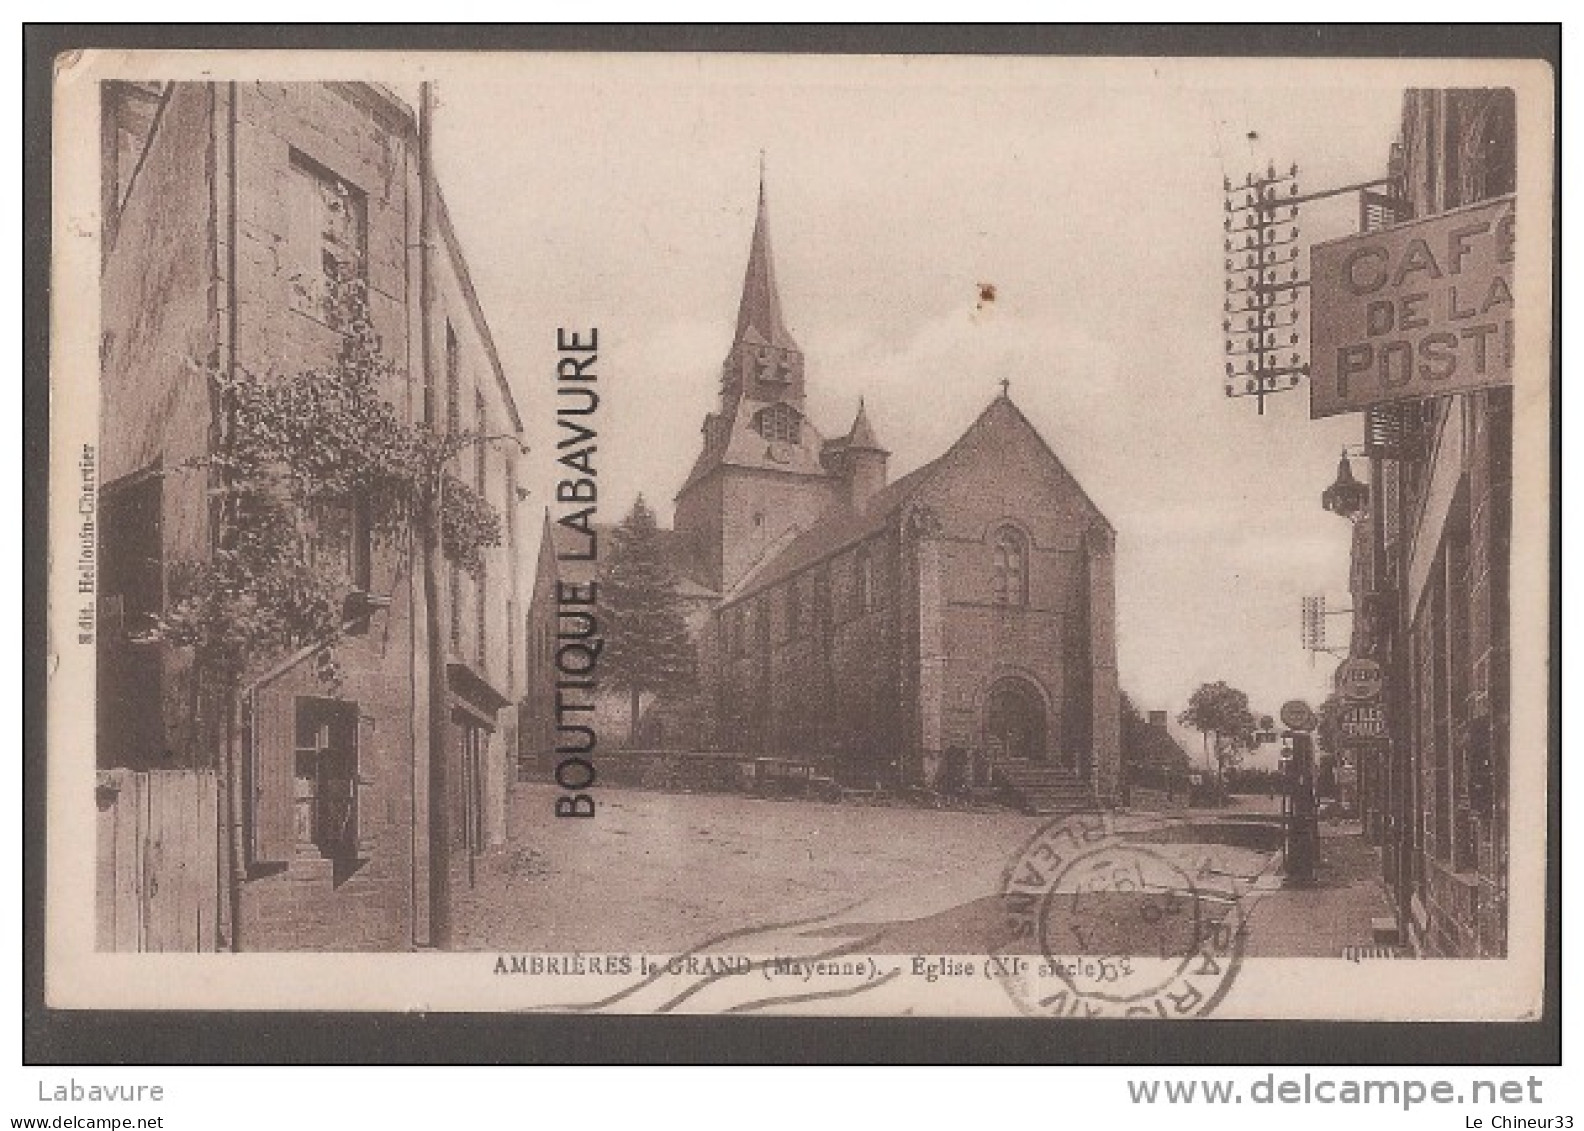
99	1037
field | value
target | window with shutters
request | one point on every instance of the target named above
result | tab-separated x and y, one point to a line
454	626
325	771
131	562
305	780
327	235
453	389
340	541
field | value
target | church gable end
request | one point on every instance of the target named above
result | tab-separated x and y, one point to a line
1002	469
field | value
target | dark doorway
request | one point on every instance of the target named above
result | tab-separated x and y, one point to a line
1015	721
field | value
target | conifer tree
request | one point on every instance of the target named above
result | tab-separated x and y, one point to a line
648	648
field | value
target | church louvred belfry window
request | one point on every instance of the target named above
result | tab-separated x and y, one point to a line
779	422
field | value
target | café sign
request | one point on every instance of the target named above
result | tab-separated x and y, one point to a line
1421	309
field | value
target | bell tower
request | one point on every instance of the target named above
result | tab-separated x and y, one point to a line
764	362
759	477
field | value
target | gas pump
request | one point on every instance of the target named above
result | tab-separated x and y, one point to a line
1302	809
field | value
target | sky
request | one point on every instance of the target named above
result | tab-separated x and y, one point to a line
620	193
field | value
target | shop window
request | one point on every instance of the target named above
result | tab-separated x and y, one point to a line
474	738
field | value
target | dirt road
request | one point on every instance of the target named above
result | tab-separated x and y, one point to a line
663	872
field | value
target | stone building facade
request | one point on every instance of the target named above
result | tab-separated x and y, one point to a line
227	206
954	625
1430	581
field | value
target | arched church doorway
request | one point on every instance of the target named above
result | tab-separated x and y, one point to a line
1015	724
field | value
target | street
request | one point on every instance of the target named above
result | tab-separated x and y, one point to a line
665	872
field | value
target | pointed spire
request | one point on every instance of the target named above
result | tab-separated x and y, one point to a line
862	436
759	315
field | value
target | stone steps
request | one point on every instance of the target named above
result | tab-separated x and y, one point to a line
1045	789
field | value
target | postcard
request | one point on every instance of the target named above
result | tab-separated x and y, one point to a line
934	535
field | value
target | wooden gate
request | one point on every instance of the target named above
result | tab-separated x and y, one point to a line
158	876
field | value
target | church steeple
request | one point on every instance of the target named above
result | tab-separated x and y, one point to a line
765	363
759	318
762	472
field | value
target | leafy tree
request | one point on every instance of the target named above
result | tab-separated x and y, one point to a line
290	448
1215	709
648	648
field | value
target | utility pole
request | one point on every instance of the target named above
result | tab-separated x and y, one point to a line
1262	341
440	935
1262	285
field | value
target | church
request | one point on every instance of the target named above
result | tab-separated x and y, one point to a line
951	628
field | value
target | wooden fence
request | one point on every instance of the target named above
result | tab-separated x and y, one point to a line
158	878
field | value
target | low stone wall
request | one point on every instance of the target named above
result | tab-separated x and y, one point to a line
700	771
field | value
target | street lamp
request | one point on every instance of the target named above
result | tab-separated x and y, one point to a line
1347	496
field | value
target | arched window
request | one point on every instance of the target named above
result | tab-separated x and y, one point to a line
1011	567
866	580
779	422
